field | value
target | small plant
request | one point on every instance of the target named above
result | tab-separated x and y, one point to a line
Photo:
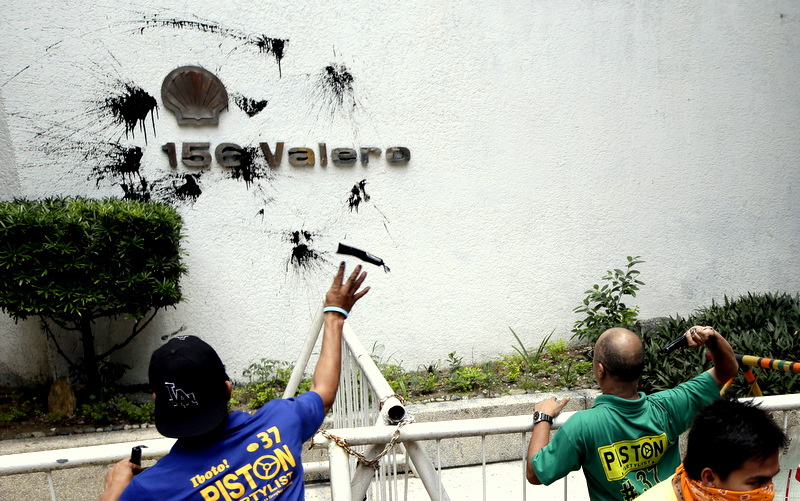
267	380
556	349
454	361
603	307
16	410
512	367
569	371
428	383
138	413
531	360
98	412
53	417
467	378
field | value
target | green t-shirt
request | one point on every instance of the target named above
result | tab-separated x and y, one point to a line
625	446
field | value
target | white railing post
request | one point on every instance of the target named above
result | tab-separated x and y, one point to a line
340	473
305	354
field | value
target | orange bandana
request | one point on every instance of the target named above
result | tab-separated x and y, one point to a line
693	490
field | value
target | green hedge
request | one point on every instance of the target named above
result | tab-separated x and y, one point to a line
73	260
764	325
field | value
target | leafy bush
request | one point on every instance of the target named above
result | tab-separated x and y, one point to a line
764	325
603	307
267	381
70	261
468	378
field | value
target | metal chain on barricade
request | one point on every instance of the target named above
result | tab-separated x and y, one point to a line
361	457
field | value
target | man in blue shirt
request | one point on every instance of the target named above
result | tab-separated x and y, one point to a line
220	456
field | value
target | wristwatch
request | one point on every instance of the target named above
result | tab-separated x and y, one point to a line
538	417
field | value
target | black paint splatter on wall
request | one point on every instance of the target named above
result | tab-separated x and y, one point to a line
274	46
129	106
176	189
303	257
190	189
358	194
249	106
266	45
117	161
139	192
335	86
252	166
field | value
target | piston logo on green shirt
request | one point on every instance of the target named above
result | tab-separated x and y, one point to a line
622	457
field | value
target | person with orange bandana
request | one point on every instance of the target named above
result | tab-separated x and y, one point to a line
732	453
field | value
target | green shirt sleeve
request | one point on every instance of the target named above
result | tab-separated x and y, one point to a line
683	401
560	456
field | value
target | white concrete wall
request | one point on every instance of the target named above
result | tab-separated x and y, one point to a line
549	140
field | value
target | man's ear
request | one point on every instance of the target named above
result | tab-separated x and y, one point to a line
228	385
709	478
154	396
601	370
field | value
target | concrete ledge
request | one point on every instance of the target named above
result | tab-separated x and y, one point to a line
468	451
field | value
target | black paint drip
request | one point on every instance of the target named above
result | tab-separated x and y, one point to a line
265	44
186	24
130	107
189	190
303	257
120	162
357	195
251	167
274	46
249	106
176	189
139	192
337	84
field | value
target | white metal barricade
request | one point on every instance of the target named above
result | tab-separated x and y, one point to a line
369	420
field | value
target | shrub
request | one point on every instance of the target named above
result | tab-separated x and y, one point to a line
70	261
763	325
603	307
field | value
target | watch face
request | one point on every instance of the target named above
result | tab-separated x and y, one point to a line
536	415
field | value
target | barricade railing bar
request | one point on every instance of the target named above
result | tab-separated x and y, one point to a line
372	441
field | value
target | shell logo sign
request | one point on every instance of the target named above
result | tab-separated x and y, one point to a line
197	97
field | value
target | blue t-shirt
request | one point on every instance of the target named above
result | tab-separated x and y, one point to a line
258	457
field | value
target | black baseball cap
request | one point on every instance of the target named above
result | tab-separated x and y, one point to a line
188	379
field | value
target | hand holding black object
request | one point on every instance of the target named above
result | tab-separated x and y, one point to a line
136	454
694	337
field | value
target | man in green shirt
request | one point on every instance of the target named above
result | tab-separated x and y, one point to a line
627	442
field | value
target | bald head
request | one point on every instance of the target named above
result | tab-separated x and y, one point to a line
621	352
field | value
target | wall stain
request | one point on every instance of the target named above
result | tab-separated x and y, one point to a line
118	161
335	86
274	46
303	257
252	166
249	106
265	45
358	194
139	192
129	107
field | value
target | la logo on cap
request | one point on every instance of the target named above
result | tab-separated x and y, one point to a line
178	396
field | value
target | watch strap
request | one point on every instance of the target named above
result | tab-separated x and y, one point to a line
538	417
